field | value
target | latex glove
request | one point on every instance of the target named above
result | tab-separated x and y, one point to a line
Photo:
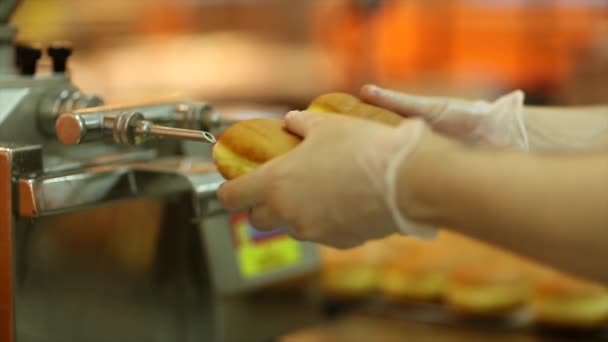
338	187
499	123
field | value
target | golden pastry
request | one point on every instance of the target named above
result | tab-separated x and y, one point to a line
250	143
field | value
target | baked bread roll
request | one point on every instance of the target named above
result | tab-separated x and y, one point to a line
422	278
250	143
488	287
567	302
419	270
352	273
340	103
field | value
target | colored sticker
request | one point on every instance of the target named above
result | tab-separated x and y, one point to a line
258	252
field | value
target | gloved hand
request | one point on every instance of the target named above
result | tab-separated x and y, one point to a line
338	187
498	123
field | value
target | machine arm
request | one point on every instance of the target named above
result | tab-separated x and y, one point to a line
136	124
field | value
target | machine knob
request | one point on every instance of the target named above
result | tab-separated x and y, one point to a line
71	129
59	53
26	57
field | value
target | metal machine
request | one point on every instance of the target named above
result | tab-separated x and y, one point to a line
109	225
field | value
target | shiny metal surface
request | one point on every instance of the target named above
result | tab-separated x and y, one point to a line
146	128
135	125
59	101
33	103
185	114
68	191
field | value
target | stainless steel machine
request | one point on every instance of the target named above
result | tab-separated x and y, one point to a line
109	225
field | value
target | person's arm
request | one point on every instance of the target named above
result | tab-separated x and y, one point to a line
408	179
553	208
567	128
505	122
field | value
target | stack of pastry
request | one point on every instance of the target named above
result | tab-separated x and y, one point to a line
495	282
566	301
353	273
488	287
419	270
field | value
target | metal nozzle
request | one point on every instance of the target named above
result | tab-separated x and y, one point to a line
146	128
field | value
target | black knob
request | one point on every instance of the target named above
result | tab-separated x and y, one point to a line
26	58
59	53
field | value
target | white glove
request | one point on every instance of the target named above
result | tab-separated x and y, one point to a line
376	163
339	186
499	123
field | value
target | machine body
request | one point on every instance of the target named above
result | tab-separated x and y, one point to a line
110	234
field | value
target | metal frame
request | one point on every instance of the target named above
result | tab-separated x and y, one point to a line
15	160
7	319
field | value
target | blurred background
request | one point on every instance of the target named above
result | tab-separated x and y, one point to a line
281	54
288	51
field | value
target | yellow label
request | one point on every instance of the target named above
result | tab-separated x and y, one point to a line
259	256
